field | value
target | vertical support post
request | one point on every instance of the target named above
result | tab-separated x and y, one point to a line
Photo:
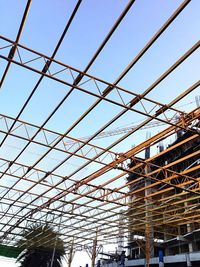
148	245
149	248
179	233
71	254
166	236
189	229
94	249
189	264
161	258
120	239
190	245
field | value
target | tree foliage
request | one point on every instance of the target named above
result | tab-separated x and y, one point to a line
41	245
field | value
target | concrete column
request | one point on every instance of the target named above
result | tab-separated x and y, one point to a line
190	245
189	230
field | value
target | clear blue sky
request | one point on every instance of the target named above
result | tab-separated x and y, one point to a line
46	21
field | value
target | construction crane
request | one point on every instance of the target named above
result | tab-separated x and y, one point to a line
131	127
120	130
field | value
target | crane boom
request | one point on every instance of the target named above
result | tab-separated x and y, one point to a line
120	130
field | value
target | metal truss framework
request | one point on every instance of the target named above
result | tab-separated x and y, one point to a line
75	204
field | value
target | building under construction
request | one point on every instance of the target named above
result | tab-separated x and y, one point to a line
81	84
160	215
167	203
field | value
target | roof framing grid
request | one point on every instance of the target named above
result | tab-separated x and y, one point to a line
78	203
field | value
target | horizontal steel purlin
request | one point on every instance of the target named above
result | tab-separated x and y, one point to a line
191	116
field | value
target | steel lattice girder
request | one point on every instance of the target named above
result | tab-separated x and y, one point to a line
82	207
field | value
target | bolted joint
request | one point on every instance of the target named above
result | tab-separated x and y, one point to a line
12	52
46	66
